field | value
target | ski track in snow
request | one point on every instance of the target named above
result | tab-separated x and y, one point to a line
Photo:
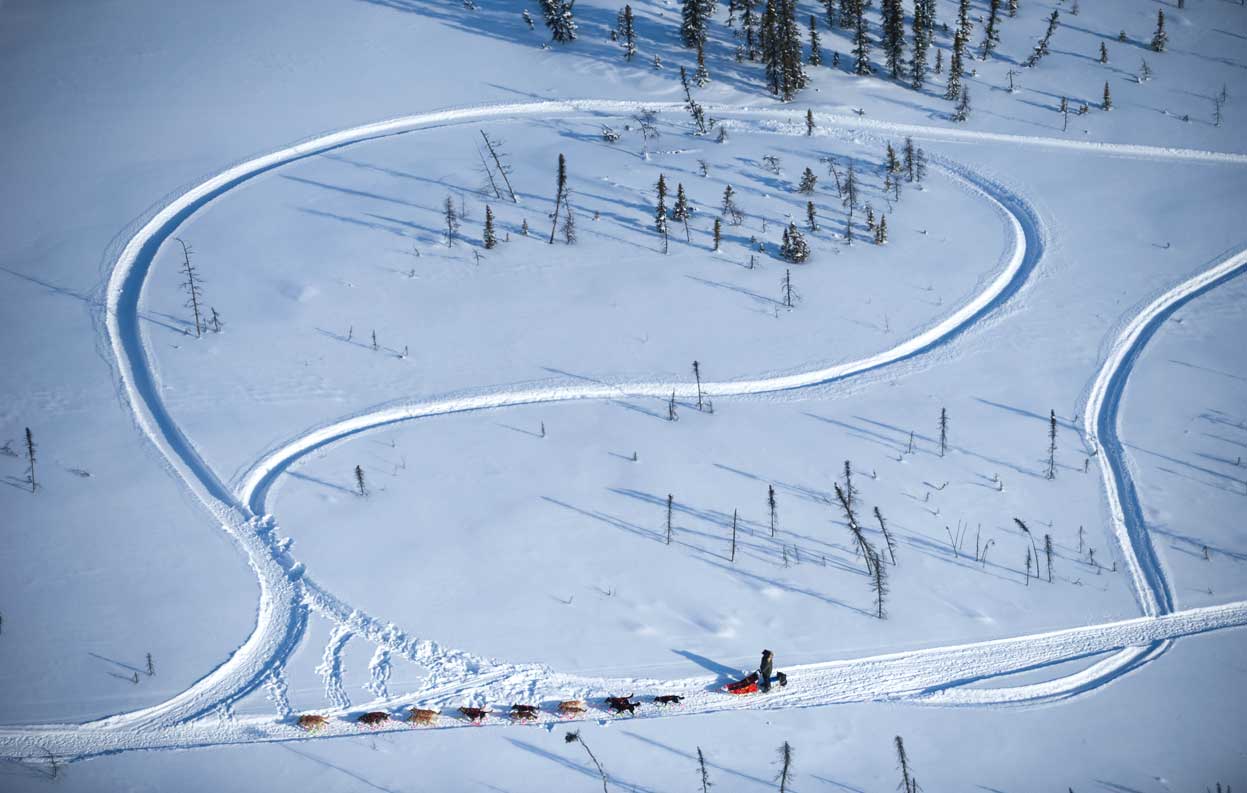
937	676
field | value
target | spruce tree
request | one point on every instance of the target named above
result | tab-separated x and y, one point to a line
1107	104
1051	474
794	247
943	431
953	88
909	159
811	216
560	194
808	182
881	233
627	32
695	17
488	237
718	233
749	29
848	13
816	50
861	42
730	210
849	197
359	481
893	18
770	503
809	120
991	33
1041	47
679	212
922	41
1160	39
963	105
559	18
1103	53
769	41
702	75
660	212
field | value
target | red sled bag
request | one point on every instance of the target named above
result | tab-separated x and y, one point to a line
747	686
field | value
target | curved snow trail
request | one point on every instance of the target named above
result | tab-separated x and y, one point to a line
284	594
1101	423
1026	242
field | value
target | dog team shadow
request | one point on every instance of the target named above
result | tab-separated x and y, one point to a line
724	674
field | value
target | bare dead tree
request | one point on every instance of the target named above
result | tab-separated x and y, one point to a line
192	286
908	783
574	737
859	539
489	173
733	559
887	537
559	195
878	581
785	770
496	152
1026	530
671	414
697	375
705	777
30	460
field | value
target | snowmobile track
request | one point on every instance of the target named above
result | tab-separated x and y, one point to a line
936	676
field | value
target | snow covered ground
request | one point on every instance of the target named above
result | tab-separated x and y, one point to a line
489	564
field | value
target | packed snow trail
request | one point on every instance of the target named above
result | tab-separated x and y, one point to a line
918	676
286	596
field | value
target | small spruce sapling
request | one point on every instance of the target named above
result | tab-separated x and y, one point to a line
943	431
488	237
1160	39
670	509
30	461
1051	473
808	182
771	506
359	481
451	217
1047	549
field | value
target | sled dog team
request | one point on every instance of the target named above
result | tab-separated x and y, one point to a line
752	683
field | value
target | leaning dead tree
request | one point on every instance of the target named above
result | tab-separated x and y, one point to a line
887	537
496	154
859	539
